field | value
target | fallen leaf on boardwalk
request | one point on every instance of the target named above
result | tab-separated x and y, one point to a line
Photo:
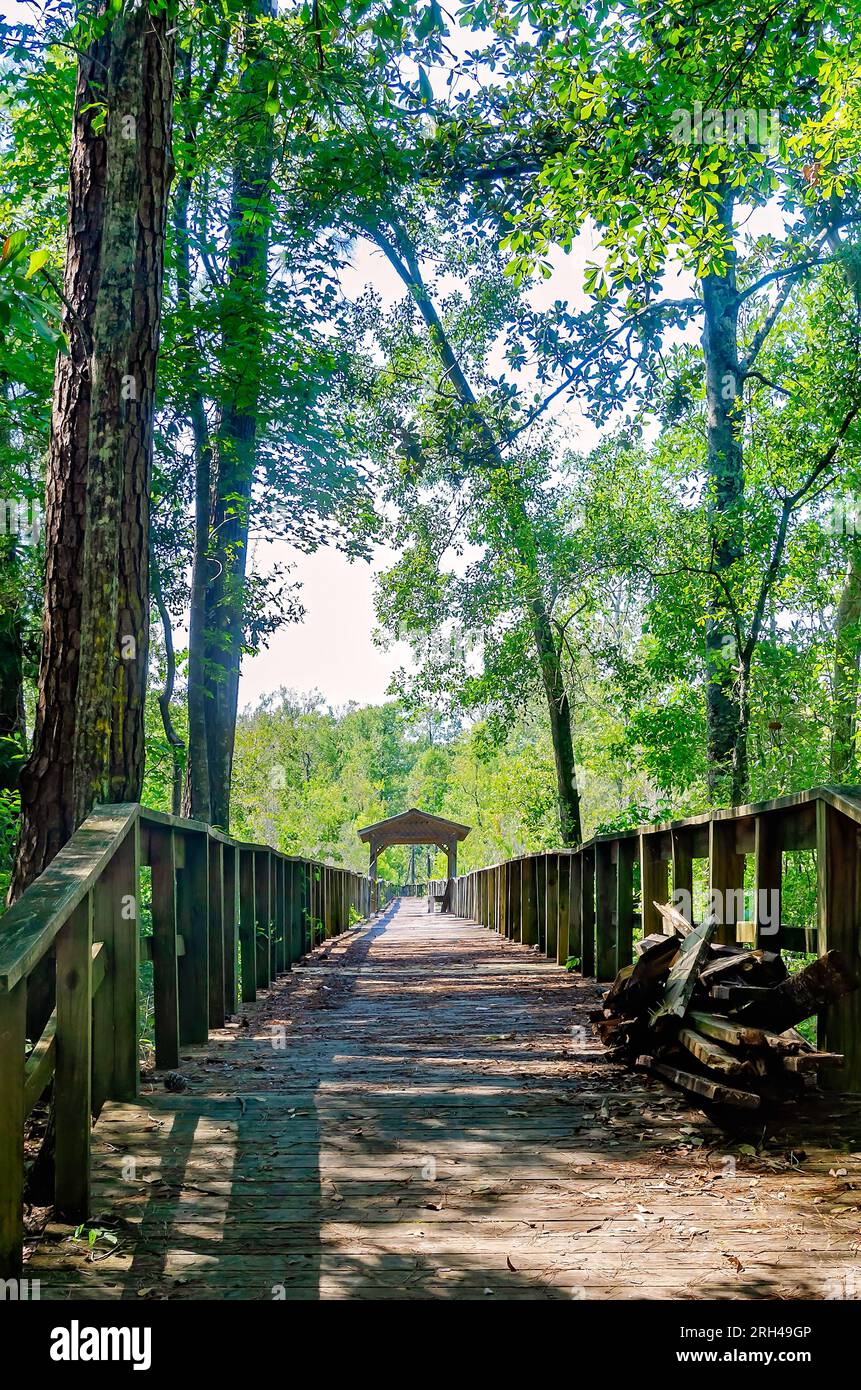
736	1263
512	1267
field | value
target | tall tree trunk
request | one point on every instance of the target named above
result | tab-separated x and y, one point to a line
727	762
154	127
47	804
559	709
174	742
845	678
112	323
112	408
243	363
521	537
196	796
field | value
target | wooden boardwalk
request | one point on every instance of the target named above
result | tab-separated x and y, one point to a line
421	1111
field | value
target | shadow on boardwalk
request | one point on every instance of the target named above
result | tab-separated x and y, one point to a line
421	1112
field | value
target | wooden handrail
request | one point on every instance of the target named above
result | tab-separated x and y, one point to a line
227	918
581	903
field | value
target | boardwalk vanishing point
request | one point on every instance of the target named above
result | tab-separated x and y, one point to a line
421	1110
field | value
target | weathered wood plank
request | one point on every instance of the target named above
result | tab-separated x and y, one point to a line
13	1024
605	912
32	923
684	972
230	923
715	1091
839	909
551	912
74	1060
717	1058
216	933
247	926
116	1026
39	1070
726	878
654	882
193	925
165	957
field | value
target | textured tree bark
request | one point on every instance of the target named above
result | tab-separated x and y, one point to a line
243	340
154	120
727	760
113	411
101	420
47	805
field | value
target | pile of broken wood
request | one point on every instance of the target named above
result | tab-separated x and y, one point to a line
719	1020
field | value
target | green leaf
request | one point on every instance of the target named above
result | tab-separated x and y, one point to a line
37	260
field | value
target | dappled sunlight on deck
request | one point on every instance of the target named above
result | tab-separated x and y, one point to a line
421	1111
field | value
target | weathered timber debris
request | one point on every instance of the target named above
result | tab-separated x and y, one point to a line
718	1021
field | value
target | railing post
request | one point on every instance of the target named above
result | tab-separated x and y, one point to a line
116	1027
654	884
528	914
165	970
626	851
312	900
295	888
262	917
13	1028
541	900
587	909
768	876
726	876
247	926
216	933
285	945
504	876
552	905
230	922
683	864
316	902
837	865
605	906
74	1062
564	918
193	926
514	904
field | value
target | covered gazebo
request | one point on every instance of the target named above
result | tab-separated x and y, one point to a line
413	827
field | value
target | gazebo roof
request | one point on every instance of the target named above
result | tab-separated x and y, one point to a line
414	827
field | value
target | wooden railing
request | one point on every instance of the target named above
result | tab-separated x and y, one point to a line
584	903
226	919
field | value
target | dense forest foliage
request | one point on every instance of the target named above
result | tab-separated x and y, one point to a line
609	425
